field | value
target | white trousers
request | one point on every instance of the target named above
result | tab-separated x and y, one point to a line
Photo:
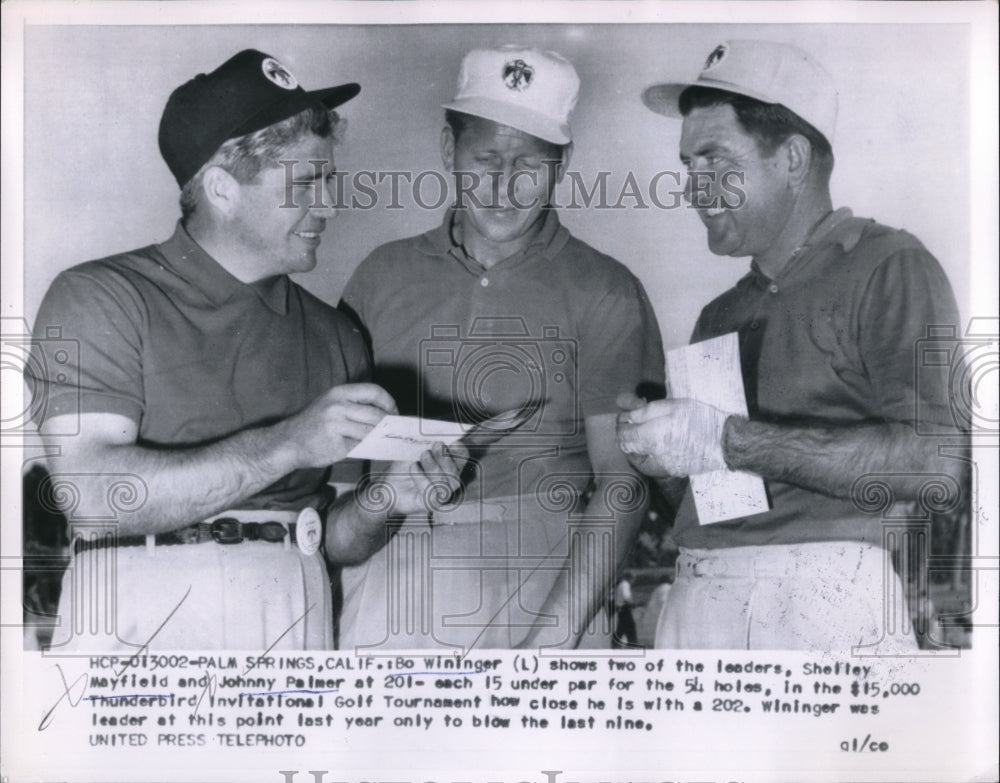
477	578
817	596
206	596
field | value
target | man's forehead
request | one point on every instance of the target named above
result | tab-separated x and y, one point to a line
484	130
707	123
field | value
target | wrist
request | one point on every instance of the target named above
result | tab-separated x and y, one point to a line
355	532
731	431
281	451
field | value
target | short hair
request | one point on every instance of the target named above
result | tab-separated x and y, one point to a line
459	122
771	124
246	156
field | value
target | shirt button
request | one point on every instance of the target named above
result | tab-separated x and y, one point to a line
484	282
774	288
754	325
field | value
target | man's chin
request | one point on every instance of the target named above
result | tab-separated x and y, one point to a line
305	263
500	234
723	248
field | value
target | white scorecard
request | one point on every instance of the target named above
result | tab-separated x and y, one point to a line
405	438
709	372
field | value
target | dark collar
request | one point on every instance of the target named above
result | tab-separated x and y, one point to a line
441	241
839	227
189	260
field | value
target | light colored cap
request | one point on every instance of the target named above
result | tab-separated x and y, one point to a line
768	71
527	89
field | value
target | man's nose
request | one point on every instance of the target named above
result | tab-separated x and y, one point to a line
503	181
325	205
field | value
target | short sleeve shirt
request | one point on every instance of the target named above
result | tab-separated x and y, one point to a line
832	340
168	338
558	323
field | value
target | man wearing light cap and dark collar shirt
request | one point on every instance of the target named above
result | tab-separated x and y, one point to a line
829	318
211	394
499	308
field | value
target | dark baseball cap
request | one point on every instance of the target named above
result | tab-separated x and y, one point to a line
248	92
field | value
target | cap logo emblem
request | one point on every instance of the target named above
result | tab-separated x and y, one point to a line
517	75
717	55
278	74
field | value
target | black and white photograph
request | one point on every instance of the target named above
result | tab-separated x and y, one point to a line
454	391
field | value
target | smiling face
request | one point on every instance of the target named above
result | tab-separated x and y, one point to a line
714	142
505	179
278	217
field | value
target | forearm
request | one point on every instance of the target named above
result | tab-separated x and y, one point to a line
174	487
830	459
622	500
353	533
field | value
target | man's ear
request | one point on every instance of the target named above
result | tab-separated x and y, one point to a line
221	190
799	152
448	148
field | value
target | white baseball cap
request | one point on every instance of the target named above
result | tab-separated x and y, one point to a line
527	89
765	70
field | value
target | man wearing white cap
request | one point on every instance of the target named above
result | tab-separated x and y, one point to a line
828	319
499	309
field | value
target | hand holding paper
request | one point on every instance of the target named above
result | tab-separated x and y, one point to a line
683	436
425	469
415	487
673	437
407	437
403	438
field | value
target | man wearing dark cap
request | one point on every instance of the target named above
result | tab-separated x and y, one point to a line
828	319
499	308
217	392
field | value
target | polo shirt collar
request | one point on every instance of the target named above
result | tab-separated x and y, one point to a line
188	259
443	240
839	228
836	228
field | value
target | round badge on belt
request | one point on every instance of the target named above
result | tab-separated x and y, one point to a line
308	531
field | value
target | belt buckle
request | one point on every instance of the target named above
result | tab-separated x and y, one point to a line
308	531
226	531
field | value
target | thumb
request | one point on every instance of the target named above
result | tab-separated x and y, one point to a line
654	410
627	401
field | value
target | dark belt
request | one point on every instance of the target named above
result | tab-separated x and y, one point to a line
225	530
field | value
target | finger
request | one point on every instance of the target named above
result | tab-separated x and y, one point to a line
628	401
624	419
451	470
350	430
365	393
459	453
438	466
628	440
357	412
654	410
